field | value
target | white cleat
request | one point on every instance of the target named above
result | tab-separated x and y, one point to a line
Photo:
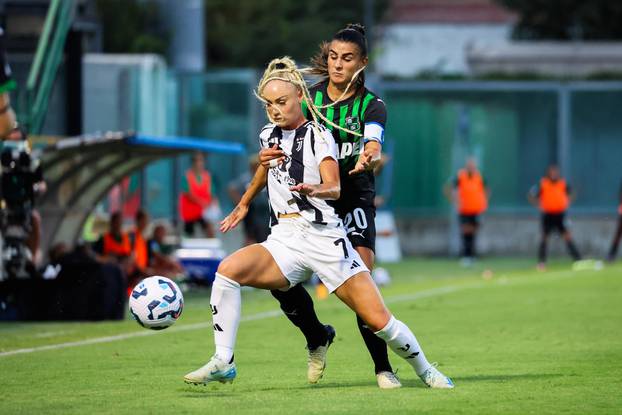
316	362
388	380
435	379
215	370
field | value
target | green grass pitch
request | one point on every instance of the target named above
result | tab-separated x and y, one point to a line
521	342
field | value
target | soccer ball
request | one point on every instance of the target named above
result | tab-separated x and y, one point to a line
156	303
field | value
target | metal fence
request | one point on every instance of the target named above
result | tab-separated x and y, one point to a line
514	129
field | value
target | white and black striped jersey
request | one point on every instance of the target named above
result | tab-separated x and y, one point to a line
304	150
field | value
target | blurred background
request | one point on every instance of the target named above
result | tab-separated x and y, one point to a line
517	84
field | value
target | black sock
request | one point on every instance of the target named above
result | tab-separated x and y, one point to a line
376	346
469	243
572	248
542	252
297	305
613	251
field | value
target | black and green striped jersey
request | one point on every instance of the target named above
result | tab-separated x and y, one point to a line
6	82
363	113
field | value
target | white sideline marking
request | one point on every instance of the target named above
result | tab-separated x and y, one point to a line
273	313
108	339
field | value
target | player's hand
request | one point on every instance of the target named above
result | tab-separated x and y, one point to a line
305	189
272	153
368	160
231	221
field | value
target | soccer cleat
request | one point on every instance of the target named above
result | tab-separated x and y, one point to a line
388	380
316	362
215	370
435	379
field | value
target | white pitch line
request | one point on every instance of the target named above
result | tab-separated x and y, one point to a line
433	292
109	339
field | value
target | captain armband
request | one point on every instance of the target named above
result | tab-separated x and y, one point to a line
373	132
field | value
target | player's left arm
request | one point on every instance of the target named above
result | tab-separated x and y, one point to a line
369	159
487	190
329	189
571	192
373	137
325	151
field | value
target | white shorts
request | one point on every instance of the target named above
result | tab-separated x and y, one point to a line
301	248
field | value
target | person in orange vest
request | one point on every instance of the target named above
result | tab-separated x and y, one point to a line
114	245
196	197
138	241
613	251
470	195
138	268
553	196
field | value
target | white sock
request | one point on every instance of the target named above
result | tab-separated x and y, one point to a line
404	343
226	304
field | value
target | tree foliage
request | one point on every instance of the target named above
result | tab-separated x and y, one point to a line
252	32
132	26
566	19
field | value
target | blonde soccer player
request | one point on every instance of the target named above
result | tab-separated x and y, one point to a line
357	118
307	237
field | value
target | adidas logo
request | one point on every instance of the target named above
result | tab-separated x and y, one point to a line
354	265
217	328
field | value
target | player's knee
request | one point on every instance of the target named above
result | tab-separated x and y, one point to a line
377	321
229	268
375	318
294	298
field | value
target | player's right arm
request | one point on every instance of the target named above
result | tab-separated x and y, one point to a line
533	196
239	212
449	189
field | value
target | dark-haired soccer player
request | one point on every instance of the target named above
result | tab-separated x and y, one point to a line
356	117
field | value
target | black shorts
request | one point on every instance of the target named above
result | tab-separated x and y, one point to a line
469	219
553	222
359	219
